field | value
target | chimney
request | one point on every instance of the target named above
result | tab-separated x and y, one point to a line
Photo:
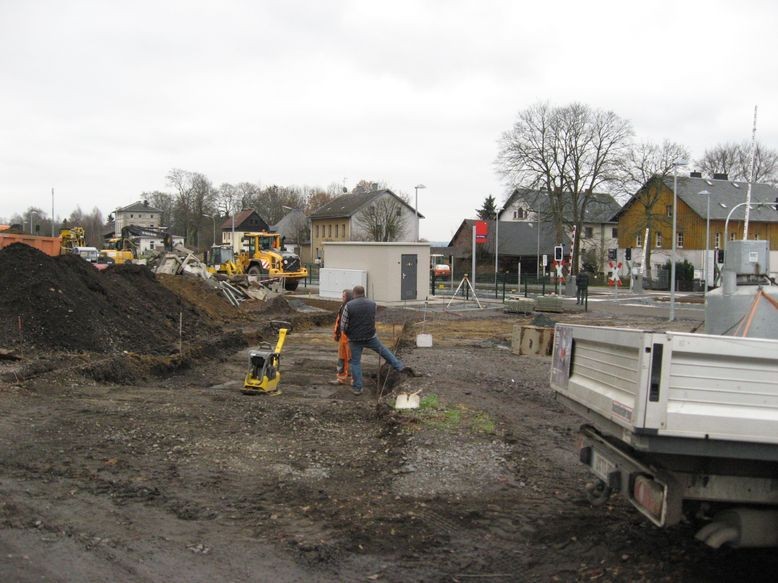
145	203
720	176
695	174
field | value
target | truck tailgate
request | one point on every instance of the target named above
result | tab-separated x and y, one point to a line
671	384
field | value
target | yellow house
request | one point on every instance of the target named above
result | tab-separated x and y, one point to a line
648	216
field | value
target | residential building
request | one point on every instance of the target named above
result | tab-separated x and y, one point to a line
246	221
599	230
520	242
651	210
373	216
139	213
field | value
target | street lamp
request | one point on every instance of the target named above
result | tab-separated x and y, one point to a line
32	213
214	226
707	244
416	208
496	241
676	164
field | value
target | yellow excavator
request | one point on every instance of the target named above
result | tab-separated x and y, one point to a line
70	238
265	364
263	256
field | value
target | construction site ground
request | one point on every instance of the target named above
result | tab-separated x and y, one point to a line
155	467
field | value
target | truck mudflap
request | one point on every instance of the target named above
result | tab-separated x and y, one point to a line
653	492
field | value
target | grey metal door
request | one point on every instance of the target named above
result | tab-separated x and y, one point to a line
408	284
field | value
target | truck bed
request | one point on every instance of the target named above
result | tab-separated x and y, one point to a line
672	392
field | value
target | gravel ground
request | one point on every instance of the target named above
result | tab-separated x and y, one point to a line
180	477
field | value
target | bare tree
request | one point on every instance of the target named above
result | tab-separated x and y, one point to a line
568	152
318	199
383	220
735	160
164	202
644	170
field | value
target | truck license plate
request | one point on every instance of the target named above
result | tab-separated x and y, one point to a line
601	466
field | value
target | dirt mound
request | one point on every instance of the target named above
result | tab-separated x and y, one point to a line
198	293
64	303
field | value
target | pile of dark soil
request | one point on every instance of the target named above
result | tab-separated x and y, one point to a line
64	303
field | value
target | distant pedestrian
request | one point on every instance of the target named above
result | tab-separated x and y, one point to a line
344	352
582	288
358	323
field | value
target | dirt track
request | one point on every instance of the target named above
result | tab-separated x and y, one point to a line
183	478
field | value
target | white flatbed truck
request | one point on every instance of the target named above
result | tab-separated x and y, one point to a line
682	425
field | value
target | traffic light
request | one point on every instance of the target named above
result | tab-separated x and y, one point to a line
612	254
628	254
558	253
719	255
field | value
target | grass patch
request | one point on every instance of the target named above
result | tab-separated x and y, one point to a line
451	418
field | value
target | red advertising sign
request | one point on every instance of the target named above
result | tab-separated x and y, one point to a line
481	230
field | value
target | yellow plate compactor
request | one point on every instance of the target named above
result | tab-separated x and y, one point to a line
265	364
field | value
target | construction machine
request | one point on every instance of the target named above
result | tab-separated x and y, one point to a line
125	248
263	254
265	364
221	259
71	238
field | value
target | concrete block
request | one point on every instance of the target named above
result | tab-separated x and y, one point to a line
520	305
532	340
548	304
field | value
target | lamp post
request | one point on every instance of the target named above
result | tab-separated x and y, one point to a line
707	245
537	222
676	164
496	242
416	208
214	226
32	213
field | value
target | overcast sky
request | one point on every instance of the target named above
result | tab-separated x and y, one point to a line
99	100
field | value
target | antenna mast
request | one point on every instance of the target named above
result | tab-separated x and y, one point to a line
750	178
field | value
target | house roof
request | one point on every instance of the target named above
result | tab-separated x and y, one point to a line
601	208
240	218
290	223
347	205
139	206
517	237
725	194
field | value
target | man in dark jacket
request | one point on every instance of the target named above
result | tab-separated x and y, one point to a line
358	323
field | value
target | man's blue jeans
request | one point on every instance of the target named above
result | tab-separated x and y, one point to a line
375	345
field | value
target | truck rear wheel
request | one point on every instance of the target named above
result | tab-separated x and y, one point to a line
291	284
254	270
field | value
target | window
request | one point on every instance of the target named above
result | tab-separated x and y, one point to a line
732	236
520	214
329	230
756	236
717	241
659	240
679	243
317	230
336	231
588	232
343	228
614	233
669	210
638	241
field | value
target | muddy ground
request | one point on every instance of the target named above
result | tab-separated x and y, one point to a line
172	474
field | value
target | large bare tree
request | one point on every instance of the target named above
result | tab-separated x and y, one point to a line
643	171
735	160
383	220
567	152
